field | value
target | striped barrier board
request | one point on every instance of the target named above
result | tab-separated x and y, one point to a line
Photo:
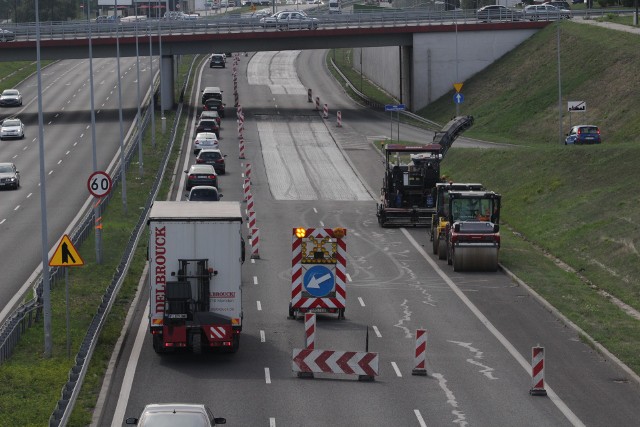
335	362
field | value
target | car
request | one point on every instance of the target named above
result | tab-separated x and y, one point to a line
10	98
6	36
12	128
176	414
200	175
211	114
213	157
546	12
559	4
217	60
204	140
213	104
204	193
211	92
101	19
208	125
9	176
583	134
259	14
289	20
497	12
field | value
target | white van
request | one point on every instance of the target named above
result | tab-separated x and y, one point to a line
335	6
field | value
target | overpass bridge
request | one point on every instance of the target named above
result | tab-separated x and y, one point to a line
397	48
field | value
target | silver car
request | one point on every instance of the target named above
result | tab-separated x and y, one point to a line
290	20
12	128
545	12
6	36
176	414
10	98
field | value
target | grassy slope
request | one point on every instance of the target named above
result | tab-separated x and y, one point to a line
579	203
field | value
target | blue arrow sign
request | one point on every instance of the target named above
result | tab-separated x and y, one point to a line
458	98
399	107
319	281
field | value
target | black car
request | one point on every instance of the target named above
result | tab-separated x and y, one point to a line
204	193
217	60
208	125
214	105
9	176
200	175
213	157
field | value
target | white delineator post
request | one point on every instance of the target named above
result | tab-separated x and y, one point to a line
310	330
537	372
420	357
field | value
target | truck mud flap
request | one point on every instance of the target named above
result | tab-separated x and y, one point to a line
467	258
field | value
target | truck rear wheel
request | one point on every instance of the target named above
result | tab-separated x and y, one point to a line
197	343
236	343
157	344
434	241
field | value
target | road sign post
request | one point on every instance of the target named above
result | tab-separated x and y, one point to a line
391	108
99	185
458	98
576	107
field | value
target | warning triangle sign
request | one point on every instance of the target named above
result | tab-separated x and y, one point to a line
66	255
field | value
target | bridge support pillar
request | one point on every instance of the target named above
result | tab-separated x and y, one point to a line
167	83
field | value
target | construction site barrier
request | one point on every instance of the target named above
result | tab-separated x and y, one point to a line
420	355
537	372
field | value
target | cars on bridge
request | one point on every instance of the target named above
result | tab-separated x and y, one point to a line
6	36
290	20
9	176
12	129
10	98
496	12
545	12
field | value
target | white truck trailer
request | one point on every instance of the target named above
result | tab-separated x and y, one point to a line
195	256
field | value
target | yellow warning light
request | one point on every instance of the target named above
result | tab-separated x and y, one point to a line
339	232
301	233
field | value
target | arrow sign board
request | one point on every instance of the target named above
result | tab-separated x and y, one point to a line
319	281
458	98
399	107
66	255
577	106
335	362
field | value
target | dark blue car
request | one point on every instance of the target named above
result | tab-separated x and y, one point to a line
583	134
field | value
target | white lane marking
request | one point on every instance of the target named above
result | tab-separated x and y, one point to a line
461	420
29	195
67	153
272	422
315	210
88	126
50	172
361	301
376	331
129	373
59	161
56	116
262	337
49	122
16	208
82	135
396	369
321	224
253	261
259	305
75	143
349	277
566	411
2	222
255	280
267	375
419	417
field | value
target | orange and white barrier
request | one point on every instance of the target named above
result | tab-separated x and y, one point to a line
255	242
241	143
247	189
420	355
310	330
325	111
339	115
537	372
317	103
247	171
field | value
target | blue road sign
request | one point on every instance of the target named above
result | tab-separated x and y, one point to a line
458	98
399	107
319	281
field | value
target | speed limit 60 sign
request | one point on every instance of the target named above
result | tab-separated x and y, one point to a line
99	184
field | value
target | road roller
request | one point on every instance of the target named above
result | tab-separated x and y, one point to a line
473	230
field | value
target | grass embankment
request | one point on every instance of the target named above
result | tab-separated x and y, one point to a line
580	204
30	385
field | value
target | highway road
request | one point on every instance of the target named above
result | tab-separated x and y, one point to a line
481	327
68	161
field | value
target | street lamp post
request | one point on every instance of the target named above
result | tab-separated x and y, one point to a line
123	175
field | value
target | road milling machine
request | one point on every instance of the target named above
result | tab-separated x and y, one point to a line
473	230
408	195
